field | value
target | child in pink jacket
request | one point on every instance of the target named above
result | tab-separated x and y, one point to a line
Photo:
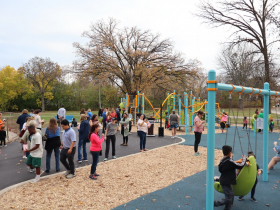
95	148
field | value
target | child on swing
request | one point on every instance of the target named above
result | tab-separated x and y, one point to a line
227	169
259	171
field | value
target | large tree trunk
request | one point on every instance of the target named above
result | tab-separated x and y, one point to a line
43	101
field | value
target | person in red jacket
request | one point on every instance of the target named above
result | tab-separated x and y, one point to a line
95	148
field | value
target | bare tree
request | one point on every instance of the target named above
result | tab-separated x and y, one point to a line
131	59
41	73
253	22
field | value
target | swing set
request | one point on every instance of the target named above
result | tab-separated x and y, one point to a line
246	178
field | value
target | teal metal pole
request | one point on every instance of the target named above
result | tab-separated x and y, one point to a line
265	132
174	98
143	104
186	112
138	101
127	102
210	142
193	100
199	99
206	118
179	104
255	126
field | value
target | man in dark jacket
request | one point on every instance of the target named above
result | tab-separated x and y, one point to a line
227	169
118	115
21	118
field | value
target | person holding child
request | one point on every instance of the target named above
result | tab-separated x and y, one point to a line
125	128
36	152
227	169
259	171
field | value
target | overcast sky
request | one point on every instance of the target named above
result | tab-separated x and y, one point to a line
48	28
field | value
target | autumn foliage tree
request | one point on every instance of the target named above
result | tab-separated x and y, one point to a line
132	59
13	84
42	73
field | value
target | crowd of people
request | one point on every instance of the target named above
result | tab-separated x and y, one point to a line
91	130
64	145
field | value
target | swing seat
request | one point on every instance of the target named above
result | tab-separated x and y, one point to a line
245	180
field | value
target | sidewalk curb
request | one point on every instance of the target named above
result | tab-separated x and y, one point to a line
61	173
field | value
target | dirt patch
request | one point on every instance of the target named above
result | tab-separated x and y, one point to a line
120	181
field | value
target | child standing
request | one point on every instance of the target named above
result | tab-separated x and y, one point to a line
36	152
227	169
166	119
254	188
271	125
3	136
245	121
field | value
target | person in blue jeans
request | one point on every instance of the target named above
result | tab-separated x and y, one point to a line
83	129
52	144
142	130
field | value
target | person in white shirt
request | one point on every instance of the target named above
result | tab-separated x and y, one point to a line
142	130
36	152
61	113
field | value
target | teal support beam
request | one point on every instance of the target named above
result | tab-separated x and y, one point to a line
138	101
179	107
265	132
210	142
206	117
199	99
255	126
127	102
174	99
143	103
186	112
193	100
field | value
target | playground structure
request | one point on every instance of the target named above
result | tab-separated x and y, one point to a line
212	87
136	106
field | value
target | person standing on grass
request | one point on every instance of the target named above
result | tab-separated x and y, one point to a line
100	112
110	135
21	118
38	119
36	152
83	129
68	149
142	130
95	148
198	128
52	144
174	122
125	128
61	113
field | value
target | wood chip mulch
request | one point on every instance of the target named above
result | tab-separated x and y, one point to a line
120	181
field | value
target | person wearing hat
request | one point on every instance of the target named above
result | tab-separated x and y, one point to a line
125	128
110	135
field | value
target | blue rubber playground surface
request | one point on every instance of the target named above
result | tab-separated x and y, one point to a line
190	193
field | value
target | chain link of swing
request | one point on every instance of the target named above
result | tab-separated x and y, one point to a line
236	132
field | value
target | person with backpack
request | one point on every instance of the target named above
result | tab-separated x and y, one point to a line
83	129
